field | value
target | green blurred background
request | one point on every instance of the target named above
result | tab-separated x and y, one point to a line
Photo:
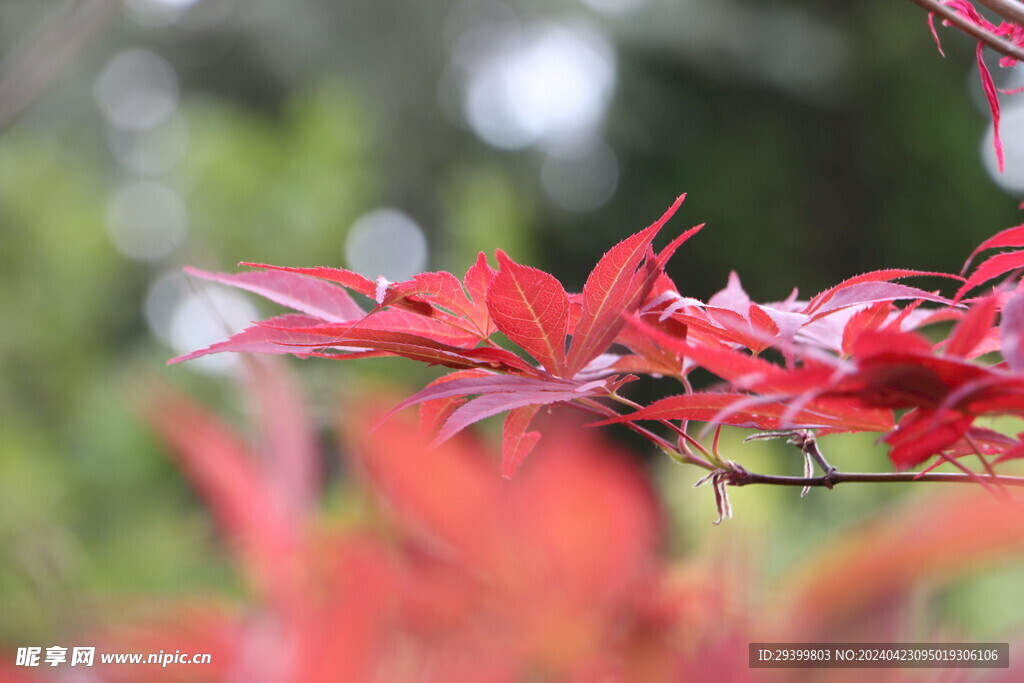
817	139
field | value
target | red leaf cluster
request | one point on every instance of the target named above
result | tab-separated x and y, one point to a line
868	354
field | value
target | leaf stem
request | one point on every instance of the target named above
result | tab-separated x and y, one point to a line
981	456
677	455
712	463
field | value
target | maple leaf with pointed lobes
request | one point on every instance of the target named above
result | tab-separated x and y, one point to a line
532	309
1011	262
436	319
851	355
731	317
943	393
888	367
612	291
445	403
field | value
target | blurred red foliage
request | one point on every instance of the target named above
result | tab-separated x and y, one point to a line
454	574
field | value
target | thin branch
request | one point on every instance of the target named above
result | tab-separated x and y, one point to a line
741	477
978	32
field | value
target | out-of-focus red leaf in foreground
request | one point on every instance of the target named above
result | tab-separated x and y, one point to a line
460	576
845	588
454	574
550	568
